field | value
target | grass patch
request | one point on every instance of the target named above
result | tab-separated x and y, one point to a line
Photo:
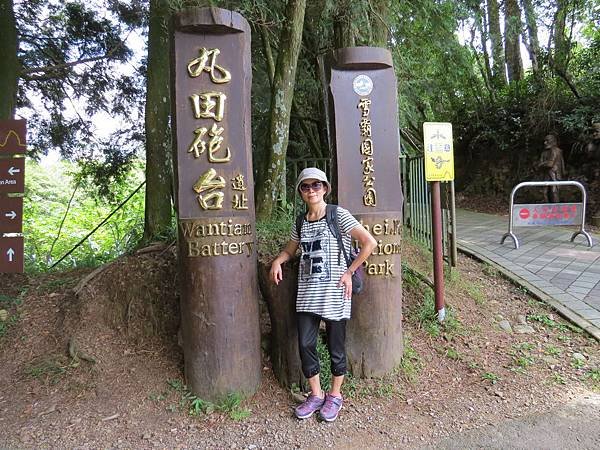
427	318
50	369
229	405
411	363
273	234
491	377
548	322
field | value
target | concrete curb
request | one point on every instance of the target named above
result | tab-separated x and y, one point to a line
561	309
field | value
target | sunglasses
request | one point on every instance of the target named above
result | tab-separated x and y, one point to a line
315	186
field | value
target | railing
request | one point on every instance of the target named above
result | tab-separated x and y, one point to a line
576	220
417	208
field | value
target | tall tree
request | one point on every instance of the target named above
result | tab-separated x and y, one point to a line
158	209
512	35
273	177
498	62
378	14
532	42
10	67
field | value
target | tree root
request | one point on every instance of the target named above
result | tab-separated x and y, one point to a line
77	354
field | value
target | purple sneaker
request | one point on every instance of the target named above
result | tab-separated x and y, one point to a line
311	405
331	408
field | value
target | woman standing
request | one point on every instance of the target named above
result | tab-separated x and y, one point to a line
324	289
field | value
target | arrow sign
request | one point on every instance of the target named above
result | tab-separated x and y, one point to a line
12	175
11	254
11	214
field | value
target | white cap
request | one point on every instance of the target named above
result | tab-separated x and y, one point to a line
315	174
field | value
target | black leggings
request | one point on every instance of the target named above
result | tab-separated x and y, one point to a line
308	332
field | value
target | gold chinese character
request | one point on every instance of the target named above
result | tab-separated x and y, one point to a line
368	181
209	182
209	105
366	147
370	197
365	127
198	146
240	201
238	183
198	65
364	105
368	166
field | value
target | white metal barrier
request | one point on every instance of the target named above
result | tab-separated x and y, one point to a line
577	218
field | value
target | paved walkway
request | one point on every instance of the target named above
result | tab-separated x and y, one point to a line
564	274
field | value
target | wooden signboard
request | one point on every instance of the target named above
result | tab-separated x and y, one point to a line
11	254
211	76
12	181
363	124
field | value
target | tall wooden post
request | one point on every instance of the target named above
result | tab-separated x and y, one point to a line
211	80
363	125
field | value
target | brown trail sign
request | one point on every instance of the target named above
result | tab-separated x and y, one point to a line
12	181
211	81
363	128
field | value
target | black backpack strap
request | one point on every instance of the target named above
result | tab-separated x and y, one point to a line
334	226
299	222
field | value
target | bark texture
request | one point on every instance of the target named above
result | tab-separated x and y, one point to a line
10	67
281	303
499	74
512	34
532	42
273	177
158	137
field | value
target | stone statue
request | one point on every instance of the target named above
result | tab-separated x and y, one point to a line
593	146
553	167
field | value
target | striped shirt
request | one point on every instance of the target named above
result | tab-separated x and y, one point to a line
322	264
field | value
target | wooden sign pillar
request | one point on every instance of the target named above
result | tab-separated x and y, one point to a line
12	186
211	80
363	125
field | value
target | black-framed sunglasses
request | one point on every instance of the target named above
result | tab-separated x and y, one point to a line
315	186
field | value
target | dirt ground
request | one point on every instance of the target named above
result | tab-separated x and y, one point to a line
89	359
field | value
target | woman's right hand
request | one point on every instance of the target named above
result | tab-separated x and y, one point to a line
276	274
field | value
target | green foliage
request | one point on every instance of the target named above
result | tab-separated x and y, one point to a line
491	377
48	194
548	322
229	405
411	363
324	362
274	234
427	317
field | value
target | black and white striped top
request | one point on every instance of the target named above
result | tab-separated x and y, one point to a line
322	265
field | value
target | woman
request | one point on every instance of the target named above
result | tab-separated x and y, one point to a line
324	289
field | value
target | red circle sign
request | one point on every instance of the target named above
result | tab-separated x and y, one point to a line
524	213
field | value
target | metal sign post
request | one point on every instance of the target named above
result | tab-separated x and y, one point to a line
439	166
547	214
12	185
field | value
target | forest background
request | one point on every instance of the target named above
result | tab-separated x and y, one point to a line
92	79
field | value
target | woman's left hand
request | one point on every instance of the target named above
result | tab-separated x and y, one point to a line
346	281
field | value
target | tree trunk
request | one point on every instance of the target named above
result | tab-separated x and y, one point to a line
532	42
10	67
561	43
343	33
269	187
379	27
498	70
158	137
512	34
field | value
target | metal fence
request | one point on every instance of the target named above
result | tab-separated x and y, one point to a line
417	208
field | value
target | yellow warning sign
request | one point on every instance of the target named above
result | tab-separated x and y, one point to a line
439	151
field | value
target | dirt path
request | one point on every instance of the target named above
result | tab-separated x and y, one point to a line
469	378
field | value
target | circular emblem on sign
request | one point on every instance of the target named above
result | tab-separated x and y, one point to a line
362	85
524	213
